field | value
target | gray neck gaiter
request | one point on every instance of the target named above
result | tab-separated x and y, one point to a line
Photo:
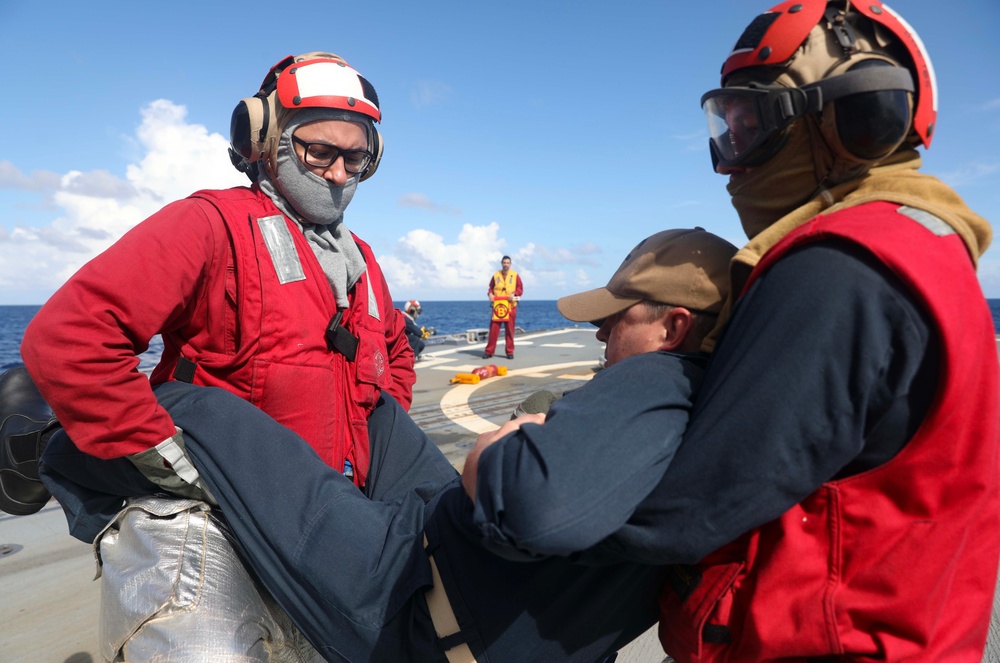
317	206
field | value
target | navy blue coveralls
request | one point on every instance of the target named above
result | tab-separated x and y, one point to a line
351	570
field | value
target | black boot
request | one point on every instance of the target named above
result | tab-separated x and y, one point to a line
25	419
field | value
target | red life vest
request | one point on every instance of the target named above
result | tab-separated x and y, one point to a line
896	563
279	358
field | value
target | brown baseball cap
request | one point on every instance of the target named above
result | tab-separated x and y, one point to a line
686	267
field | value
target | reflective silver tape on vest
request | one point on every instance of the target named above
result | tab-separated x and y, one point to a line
372	302
281	246
933	223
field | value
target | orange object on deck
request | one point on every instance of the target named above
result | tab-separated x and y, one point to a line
480	373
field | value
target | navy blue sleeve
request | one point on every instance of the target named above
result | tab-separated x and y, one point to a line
561	487
826	368
412	327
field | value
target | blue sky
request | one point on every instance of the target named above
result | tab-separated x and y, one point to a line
560	133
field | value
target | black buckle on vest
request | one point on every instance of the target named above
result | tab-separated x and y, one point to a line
341	340
716	634
184	370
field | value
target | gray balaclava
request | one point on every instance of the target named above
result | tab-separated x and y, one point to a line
317	205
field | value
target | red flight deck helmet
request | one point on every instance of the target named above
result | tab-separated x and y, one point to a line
859	65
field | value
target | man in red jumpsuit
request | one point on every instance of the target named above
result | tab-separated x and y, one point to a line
262	291
837	493
504	290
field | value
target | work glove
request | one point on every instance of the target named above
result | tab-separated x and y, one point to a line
169	467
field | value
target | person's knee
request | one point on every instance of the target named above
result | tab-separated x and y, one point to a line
388	421
173	589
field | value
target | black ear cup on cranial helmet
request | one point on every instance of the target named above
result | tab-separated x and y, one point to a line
376	149
871	125
248	129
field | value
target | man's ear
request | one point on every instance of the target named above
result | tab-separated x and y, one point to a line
677	324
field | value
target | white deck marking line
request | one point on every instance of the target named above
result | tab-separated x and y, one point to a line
455	401
574	376
524	338
563	345
461	368
431	362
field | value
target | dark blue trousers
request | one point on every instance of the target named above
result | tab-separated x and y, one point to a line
348	567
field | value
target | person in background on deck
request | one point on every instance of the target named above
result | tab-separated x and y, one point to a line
414	332
262	291
526	549
837	493
504	291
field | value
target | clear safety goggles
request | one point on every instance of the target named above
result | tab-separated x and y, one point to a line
746	124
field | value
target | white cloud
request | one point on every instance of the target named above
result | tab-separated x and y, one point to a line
971	174
40	180
95	208
564	256
97	184
421	201
425	263
423	259
693	141
700	135
588	249
180	158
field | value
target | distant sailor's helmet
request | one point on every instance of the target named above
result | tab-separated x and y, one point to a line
310	80
858	66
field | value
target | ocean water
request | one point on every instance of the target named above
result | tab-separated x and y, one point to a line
13	320
444	317
457	317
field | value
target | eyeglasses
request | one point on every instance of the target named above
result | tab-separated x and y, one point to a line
322	155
